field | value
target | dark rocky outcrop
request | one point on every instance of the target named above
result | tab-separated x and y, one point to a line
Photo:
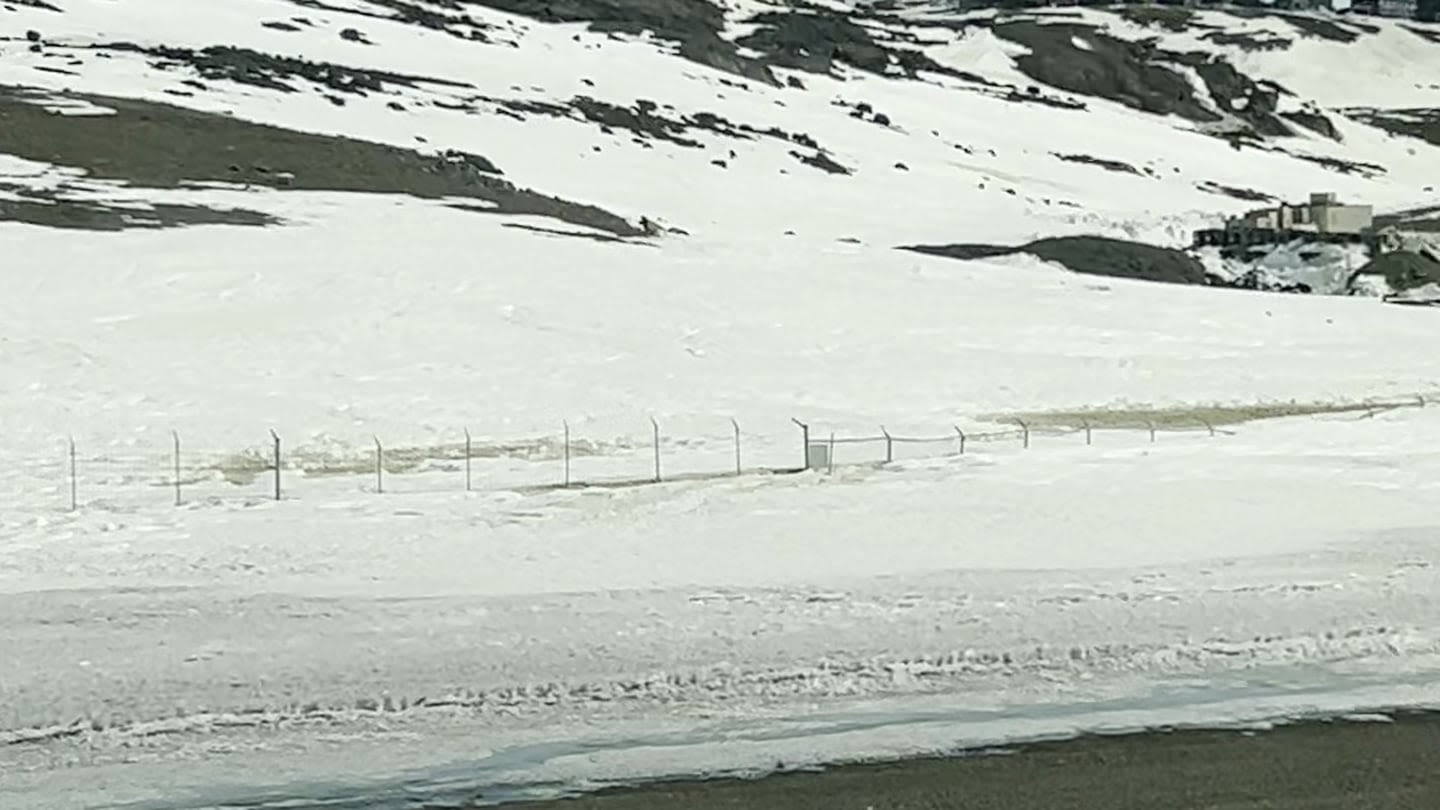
452	20
1416	123
1110	165
1114	69
815	42
1250	101
54	211
1424	33
695	25
1091	255
159	146
245	66
1314	121
823	162
648	121
1082	59
816	39
1101	256
1403	270
1325	29
1247	41
1170	18
1340	165
1235	192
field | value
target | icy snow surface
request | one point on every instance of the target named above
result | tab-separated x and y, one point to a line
429	641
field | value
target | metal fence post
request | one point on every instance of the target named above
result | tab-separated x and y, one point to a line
889	445
379	466
736	425
276	437
467	459
566	423
830	462
74	479
804	443
962	439
655	426
176	435
1086	423
1152	431
1024	432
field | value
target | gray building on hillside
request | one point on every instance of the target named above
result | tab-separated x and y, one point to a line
1322	214
1404	9
1322	219
1401	9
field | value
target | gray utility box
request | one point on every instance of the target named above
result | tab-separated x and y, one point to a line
817	456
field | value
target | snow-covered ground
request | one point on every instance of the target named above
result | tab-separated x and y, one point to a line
347	641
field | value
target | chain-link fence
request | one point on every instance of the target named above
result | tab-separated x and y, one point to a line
184	470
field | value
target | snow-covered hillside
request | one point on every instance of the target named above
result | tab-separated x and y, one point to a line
352	221
937	126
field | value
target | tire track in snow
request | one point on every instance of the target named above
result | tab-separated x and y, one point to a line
941	672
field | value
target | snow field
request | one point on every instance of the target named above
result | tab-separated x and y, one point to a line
1278	567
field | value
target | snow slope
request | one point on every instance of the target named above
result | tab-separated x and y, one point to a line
347	641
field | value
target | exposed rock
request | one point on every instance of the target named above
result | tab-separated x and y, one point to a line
1247	194
1092	255
1424	33
816	39
1403	270
822	161
244	66
1111	165
1102	256
1178	20
1324	29
1111	68
1248	100
1316	122
452	21
90	215
964	251
694	24
1361	168
1415	122
1246	41
154	145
